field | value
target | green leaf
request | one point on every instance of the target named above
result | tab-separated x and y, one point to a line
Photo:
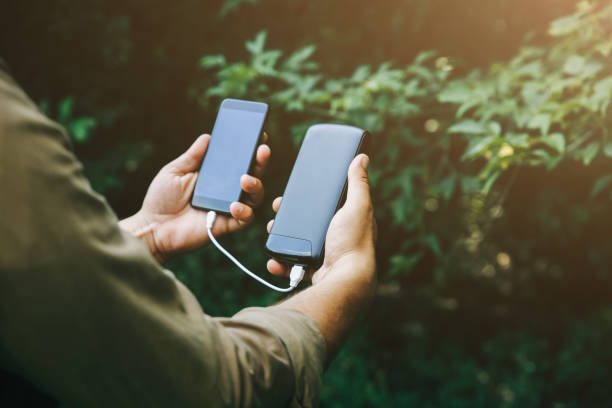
588	153
534	94
517	139
65	110
494	127
556	141
533	69
256	46
604	48
467	126
574	65
424	56
544	157
602	92
212	61
469	184
542	154
466	106
607	150
424	73
578	140
431	242
478	146
80	128
399	212
296	59
564	26
265	62
231	5
361	73
541	122
456	92
490	181
591	69
600	185
446	187
404	263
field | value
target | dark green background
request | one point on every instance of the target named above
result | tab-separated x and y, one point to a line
539	335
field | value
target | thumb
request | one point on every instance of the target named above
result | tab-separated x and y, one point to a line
358	190
192	158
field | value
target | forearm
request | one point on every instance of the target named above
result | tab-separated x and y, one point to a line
337	302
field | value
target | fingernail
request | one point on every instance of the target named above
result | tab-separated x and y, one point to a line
239	209
365	161
253	182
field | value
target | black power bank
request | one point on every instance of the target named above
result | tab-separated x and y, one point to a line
314	192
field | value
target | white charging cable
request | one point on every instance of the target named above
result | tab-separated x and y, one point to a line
295	277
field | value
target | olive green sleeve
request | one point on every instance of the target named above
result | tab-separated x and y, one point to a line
90	317
297	334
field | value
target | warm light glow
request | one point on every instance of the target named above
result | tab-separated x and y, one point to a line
432	125
431	204
506	150
442	63
503	260
488	271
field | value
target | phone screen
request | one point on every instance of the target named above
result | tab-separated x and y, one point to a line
233	142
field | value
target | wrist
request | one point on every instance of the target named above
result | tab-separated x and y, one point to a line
138	226
358	269
338	301
354	282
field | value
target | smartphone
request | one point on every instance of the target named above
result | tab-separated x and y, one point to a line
314	192
233	143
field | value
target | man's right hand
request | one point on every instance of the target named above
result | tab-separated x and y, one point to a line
346	282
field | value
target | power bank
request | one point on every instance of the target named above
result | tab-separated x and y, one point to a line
314	192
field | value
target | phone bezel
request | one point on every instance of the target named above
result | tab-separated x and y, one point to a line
214	204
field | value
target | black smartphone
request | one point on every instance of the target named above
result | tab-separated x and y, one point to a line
314	192
233	143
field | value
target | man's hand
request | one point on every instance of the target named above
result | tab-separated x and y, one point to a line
168	223
344	286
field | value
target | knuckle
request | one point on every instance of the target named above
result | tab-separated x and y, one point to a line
365	179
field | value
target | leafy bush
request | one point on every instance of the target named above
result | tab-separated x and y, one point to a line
447	149
543	106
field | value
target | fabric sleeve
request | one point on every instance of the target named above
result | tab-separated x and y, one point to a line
89	316
298	335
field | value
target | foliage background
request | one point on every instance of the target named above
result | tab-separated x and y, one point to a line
491	166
